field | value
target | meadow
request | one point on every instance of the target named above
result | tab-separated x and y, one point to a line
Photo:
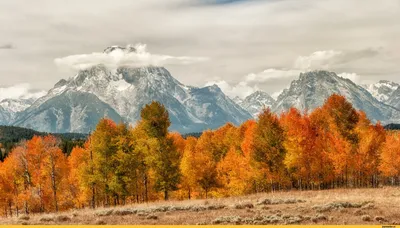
335	207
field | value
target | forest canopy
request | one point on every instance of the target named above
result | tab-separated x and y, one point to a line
334	146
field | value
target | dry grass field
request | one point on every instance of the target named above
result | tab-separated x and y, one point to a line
336	207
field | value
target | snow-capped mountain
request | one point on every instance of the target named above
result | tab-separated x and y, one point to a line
382	90
238	100
313	88
69	111
394	99
10	108
4	116
126	90
255	102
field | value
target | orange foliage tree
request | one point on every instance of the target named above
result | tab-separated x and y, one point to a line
268	152
390	156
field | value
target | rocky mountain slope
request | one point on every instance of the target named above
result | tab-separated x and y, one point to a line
76	104
10	107
255	102
382	90
312	88
70	111
126	90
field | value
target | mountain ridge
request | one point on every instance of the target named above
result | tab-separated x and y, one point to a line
255	102
77	103
311	89
126	90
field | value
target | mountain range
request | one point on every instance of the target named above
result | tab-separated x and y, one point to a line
78	103
312	88
255	102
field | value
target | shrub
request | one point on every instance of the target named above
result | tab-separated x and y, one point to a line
243	205
100	222
380	219
62	218
47	219
104	212
24	217
123	212
319	217
153	217
366	218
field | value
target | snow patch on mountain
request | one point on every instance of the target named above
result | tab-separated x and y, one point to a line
313	88
10	108
394	99
256	102
70	111
128	89
382	90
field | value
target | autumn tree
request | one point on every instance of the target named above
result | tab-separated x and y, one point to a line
143	145
207	162
336	121
80	187
390	158
103	151
223	139
268	151
367	156
55	167
179	142
305	159
165	157
234	173
20	156
35	158
11	183
189	166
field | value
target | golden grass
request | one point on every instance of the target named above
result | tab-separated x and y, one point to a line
336	207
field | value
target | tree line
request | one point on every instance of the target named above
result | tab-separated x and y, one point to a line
10	136
334	146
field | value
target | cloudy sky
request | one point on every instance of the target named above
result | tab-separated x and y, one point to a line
241	45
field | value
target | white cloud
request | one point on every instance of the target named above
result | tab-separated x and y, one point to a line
271	74
329	59
134	56
276	94
352	76
317	60
252	82
19	91
333	59
239	38
241	89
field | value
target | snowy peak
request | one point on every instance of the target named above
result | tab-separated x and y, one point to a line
98	73
61	83
382	90
394	99
238	100
16	105
313	88
260	96
127	90
70	111
116	48
255	102
10	108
